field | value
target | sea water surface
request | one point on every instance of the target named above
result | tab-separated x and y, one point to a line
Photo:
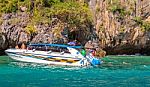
116	71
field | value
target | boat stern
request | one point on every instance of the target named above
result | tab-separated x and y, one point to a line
93	60
96	62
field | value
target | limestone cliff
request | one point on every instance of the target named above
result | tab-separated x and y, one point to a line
17	29
116	27
119	26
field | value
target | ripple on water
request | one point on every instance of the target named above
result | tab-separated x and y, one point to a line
114	72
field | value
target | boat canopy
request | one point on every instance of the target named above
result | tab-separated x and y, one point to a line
56	45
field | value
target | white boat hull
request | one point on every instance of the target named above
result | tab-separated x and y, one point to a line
46	58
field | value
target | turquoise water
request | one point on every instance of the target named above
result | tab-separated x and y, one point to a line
116	71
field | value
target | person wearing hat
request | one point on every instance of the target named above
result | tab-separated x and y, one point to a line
89	47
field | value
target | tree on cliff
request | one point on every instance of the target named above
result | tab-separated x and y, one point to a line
71	13
31	31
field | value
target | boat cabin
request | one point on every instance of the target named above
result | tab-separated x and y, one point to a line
52	47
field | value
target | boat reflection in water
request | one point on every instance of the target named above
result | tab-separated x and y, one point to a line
53	54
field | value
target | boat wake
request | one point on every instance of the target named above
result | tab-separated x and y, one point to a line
24	64
43	66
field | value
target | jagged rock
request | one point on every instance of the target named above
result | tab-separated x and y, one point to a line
23	9
23	37
115	30
116	33
6	16
100	53
3	44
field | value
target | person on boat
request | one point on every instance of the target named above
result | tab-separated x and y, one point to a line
16	47
72	43
89	47
23	46
93	52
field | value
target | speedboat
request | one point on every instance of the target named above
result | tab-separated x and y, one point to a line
53	54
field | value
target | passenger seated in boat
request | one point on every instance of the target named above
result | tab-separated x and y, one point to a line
93	52
17	47
23	46
72	43
29	48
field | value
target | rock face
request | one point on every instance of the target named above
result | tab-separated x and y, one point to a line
115	25
17	28
3	43
14	27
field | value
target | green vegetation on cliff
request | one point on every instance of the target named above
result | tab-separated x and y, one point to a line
31	31
8	6
111	23
72	13
143	24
